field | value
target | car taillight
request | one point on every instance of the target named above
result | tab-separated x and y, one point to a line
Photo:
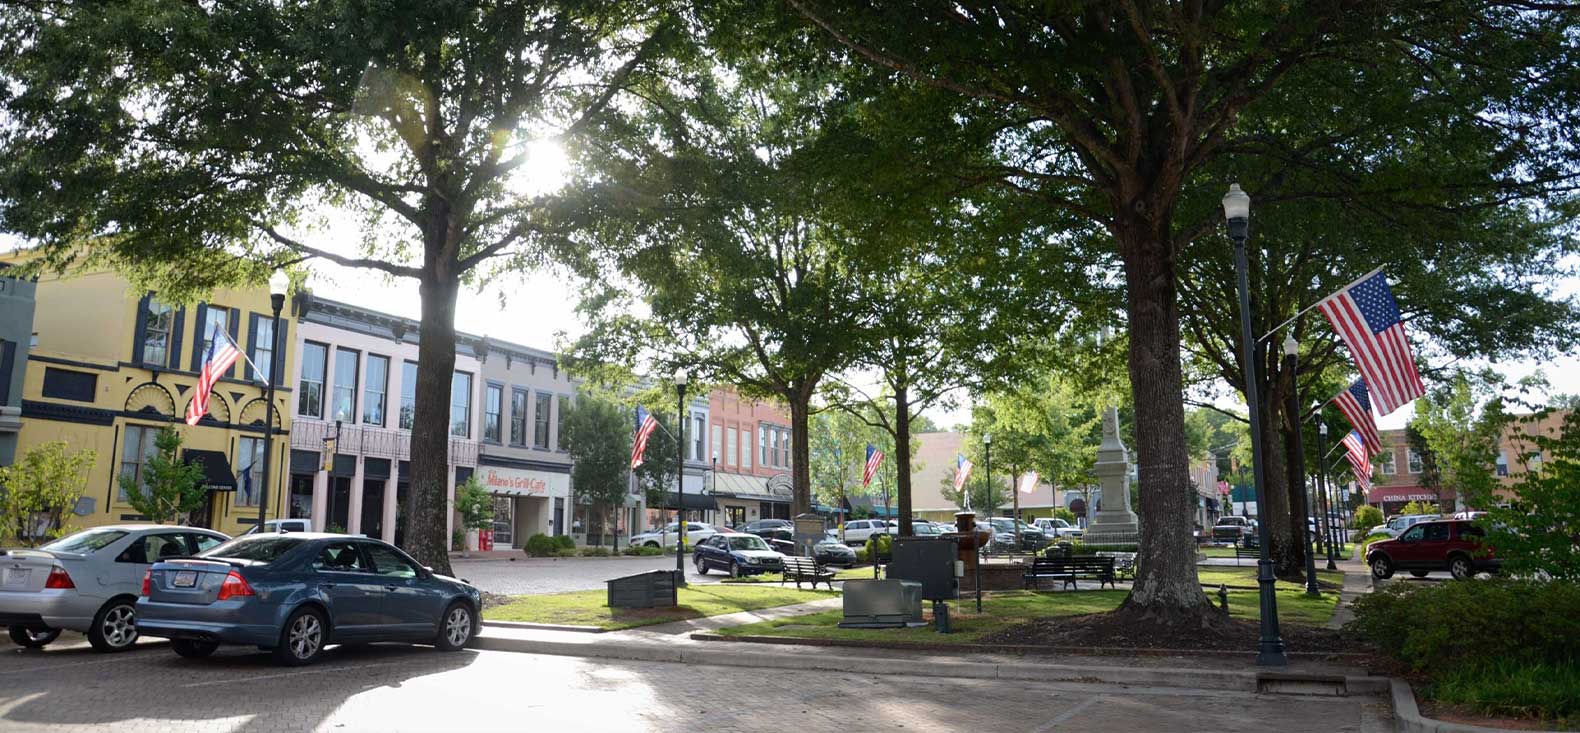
234	586
148	583
59	579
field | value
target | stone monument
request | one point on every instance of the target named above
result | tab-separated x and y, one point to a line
1115	523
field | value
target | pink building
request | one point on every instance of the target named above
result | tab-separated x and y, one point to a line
749	442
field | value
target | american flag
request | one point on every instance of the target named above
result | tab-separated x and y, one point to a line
1366	315
1028	483
874	459
222	353
962	471
645	422
1356	404
1360	460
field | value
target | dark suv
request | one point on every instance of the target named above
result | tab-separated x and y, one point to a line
1453	545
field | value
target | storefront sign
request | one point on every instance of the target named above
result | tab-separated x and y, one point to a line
518	482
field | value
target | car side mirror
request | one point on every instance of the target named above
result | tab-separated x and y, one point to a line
428	569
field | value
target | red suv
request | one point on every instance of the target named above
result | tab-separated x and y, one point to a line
1452	545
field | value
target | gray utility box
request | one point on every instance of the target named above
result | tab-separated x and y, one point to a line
652	589
930	561
809	530
882	604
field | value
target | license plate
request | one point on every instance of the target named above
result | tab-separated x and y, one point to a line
185	579
17	576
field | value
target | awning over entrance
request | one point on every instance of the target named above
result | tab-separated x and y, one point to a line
217	475
703	502
749	488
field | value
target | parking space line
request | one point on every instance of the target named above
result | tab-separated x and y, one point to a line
293	673
1068	714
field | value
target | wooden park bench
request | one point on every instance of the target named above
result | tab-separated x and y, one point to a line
806	569
1069	569
1241	553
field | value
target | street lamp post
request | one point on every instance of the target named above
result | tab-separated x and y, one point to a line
680	474
1322	486
1237	213
987	449
1297	466
278	283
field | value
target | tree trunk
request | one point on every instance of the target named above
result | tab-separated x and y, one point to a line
1166	587
800	399
1294	480
428	504
1275	489
902	457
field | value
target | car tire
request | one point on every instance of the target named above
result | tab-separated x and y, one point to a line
1419	573
1460	567
1382	568
702	567
735	570
456	627
303	638
114	627
193	648
33	637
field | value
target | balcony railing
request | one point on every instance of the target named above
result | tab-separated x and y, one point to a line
373	442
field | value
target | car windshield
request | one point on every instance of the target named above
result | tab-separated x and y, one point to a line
752	542
258	548
84	543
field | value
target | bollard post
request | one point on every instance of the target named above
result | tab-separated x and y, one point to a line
1223	596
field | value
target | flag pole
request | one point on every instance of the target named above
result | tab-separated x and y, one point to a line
1302	311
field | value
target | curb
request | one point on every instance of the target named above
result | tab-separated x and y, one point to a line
544	627
1408	717
1028	650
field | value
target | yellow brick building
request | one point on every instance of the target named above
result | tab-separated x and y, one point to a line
111	365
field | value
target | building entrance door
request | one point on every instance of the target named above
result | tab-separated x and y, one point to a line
373	508
504	522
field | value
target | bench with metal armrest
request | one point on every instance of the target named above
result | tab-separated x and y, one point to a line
801	569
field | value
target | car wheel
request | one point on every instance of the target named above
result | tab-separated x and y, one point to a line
735	570
702	568
302	639
192	648
1382	569
456	628
1419	573
33	638
1459	566
114	626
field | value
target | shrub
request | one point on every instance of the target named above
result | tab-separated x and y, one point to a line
884	545
861	554
565	542
1514	688
565	552
646	551
541	545
1065	514
1366	517
594	552
631	550
1420	507
1441	626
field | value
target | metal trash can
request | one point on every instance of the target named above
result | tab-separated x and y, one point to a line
652	589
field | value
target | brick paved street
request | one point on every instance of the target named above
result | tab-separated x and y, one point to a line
530	576
392	688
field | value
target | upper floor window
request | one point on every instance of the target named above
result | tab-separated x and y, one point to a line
1388	463
1415	461
461	405
345	398
717	441
762	445
1502	464
408	393
698	433
518	417
215	317
158	321
378	386
262	348
492	404
745	460
540	421
563	408
310	393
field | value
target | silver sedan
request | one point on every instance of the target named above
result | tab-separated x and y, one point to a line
88	582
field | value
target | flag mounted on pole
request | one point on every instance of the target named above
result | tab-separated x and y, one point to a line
962	471
1366	316
1356	404
645	422
874	459
1028	483
221	354
1360	460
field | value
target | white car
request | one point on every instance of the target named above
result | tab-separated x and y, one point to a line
1398	524
1055	527
669	536
283	525
856	531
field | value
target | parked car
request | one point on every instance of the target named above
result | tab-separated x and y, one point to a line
281	525
834	552
1031	538
856	531
1056	527
1396	525
737	554
294	594
88	582
770	529
1452	545
1233	529
670	535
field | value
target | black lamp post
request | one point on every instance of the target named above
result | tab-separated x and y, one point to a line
278	283
1237	212
1297	467
987	469
1322	486
680	474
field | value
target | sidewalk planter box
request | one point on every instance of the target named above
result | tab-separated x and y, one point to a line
882	604
652	589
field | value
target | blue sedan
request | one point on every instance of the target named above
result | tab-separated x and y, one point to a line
738	554
293	594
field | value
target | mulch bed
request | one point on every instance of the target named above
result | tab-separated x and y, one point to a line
1122	629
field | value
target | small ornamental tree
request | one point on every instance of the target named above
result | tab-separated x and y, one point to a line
1366	517
171	488
37	492
474	504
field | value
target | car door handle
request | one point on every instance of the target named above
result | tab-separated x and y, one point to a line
390	588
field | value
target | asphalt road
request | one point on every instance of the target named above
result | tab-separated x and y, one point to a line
397	688
531	576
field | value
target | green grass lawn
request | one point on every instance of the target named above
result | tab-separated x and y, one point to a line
1246	576
1010	608
588	607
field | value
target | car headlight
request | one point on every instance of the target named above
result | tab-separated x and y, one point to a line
751	560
